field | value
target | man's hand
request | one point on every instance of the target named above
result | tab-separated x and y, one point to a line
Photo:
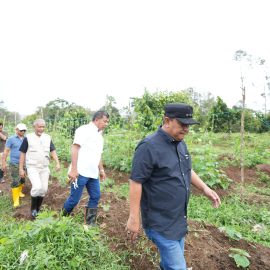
4	166
57	167
212	195
22	173
72	175
102	175
133	227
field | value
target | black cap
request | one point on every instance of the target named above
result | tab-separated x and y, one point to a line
182	112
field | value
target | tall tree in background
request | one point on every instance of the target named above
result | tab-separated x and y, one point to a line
111	110
247	62
8	117
149	108
219	117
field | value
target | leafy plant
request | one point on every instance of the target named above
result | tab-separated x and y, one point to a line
231	233
233	213
54	243
264	177
205	164
240	257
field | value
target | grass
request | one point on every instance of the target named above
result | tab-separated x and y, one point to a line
53	242
236	214
121	191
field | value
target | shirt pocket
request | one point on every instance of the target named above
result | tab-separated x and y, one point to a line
186	162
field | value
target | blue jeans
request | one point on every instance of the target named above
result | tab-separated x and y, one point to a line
93	189
171	251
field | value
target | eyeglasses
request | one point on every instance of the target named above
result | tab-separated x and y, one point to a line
23	130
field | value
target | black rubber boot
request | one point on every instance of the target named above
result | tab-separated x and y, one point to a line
65	213
39	202
1	176
34	205
90	216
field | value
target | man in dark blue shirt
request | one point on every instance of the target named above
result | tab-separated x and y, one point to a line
12	147
160	185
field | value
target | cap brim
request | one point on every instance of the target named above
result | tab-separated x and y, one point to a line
187	121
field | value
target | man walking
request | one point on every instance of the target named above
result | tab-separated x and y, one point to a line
160	186
12	147
36	149
86	166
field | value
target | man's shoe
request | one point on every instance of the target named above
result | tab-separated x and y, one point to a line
90	216
65	213
34	203
2	176
34	213
21	188
16	196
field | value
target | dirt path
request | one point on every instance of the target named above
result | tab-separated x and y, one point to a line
206	247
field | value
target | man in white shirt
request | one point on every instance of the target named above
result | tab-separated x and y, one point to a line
86	166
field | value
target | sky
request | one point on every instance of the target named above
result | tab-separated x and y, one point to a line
82	51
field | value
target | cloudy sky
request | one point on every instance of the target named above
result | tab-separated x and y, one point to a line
82	51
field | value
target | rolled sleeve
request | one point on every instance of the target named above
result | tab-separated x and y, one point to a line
52	147
8	143
24	146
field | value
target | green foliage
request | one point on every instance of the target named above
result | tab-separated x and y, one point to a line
224	119
264	177
231	233
107	184
7	117
205	165
62	144
111	110
5	205
233	214
256	150
61	115
240	257
219	116
149	108
54	243
61	176
121	191
119	148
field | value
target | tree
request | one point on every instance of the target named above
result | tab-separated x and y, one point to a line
61	114
149	108
219	117
111	110
246	61
8	117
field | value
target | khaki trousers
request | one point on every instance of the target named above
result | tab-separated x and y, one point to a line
1	156
39	178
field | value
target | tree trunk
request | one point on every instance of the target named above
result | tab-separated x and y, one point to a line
243	130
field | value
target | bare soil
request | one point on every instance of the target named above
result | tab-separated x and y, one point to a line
206	247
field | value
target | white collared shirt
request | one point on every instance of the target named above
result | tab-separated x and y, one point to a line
91	147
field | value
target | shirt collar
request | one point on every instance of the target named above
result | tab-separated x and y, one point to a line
166	136
17	136
92	125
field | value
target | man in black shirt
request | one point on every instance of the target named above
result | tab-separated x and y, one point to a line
160	185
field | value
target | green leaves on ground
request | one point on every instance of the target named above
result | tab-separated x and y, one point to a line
240	257
54	243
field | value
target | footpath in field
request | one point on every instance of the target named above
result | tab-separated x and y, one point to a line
206	247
